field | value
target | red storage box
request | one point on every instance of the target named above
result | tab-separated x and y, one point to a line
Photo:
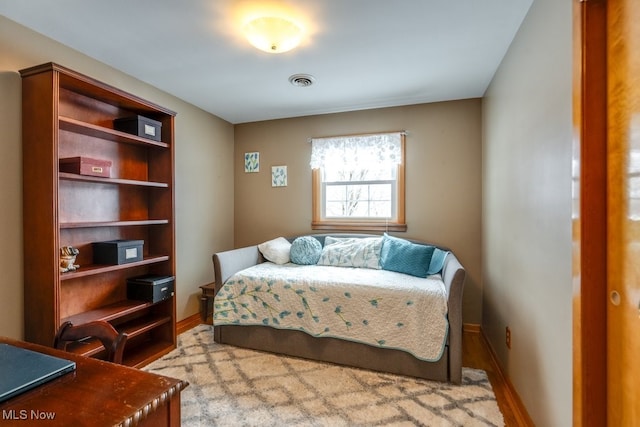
86	166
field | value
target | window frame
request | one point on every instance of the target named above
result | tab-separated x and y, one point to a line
360	224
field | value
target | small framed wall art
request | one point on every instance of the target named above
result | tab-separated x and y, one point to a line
278	176
252	162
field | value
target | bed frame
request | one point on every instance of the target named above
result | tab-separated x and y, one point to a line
300	344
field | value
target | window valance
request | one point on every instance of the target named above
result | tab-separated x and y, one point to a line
381	150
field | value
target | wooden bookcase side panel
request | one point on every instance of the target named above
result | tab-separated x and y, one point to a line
40	234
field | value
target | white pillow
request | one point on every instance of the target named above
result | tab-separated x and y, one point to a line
351	252
276	250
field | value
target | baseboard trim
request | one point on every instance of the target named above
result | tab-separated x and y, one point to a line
471	327
519	410
188	323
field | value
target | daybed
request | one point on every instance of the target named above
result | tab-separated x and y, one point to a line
324	346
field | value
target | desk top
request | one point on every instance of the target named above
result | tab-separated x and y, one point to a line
97	393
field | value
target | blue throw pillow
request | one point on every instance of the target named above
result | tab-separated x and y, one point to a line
402	256
305	250
437	261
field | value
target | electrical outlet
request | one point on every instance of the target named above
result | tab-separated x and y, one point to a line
507	338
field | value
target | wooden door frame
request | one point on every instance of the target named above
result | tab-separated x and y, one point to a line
590	226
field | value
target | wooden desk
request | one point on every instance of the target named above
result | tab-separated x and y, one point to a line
97	394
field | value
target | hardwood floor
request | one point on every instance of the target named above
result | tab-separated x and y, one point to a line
189	323
476	353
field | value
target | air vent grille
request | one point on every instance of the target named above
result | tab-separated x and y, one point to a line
302	80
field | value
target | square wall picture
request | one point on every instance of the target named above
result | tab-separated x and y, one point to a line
278	176
252	162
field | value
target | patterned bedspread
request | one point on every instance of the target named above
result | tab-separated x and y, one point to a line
377	307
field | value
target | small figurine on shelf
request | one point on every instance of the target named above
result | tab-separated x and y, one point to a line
68	256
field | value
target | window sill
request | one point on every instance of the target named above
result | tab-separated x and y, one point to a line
358	226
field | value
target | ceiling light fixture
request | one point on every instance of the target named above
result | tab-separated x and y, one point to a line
273	34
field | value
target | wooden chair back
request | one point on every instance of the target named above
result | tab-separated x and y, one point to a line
112	340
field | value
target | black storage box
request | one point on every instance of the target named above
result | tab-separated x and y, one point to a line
150	288
140	126
117	251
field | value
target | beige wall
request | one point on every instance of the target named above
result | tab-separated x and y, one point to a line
518	275
443	178
204	172
527	126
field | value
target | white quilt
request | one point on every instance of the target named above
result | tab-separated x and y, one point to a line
377	307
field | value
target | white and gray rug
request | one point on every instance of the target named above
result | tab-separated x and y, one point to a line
230	386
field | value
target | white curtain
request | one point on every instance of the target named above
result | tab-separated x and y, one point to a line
380	150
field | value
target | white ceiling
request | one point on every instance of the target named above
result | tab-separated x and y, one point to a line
363	53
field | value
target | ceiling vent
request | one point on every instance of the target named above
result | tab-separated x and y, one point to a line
302	80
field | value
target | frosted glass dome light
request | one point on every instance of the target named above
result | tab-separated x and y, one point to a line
273	34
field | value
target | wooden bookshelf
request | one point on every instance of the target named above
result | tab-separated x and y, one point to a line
67	114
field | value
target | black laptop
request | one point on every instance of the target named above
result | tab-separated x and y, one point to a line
22	370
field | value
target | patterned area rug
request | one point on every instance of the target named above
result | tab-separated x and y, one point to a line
230	386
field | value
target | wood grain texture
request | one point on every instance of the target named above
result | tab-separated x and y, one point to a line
99	393
477	353
589	225
67	114
623	344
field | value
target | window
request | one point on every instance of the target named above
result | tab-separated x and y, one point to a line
358	182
